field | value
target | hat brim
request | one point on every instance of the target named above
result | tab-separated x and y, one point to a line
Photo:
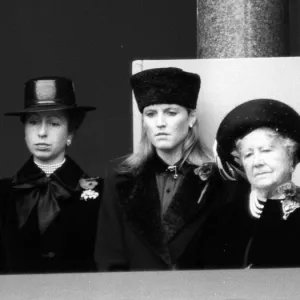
43	108
255	114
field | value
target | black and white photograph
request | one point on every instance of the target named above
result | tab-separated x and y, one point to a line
150	149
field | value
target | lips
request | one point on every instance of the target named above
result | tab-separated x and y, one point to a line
161	134
42	146
260	174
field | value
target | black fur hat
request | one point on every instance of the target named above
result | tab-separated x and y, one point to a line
165	86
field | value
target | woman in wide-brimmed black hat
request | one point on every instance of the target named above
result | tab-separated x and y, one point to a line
259	140
49	224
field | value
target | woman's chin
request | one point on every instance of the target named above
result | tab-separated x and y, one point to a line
164	147
43	158
265	190
41	154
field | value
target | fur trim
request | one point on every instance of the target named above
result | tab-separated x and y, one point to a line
184	207
139	199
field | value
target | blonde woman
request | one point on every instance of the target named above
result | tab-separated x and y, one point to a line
156	203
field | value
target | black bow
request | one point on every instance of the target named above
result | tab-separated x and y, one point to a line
45	192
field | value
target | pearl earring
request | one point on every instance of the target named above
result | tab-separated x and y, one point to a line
68	142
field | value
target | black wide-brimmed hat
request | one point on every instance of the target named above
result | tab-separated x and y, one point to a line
165	86
252	115
47	94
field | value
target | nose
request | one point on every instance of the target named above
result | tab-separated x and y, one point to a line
160	120
43	129
257	160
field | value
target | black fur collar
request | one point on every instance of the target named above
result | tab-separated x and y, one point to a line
68	174
140	201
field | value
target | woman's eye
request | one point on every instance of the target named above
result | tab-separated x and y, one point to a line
247	155
266	150
32	122
149	114
172	113
54	122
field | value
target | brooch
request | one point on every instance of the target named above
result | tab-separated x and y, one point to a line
205	171
173	169
88	184
290	202
288	206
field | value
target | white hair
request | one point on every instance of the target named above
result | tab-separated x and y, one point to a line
289	144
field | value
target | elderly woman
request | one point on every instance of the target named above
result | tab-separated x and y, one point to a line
50	217
156	204
259	140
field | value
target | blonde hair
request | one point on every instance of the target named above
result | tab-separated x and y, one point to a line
193	151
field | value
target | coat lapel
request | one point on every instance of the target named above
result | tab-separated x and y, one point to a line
139	199
184	207
69	174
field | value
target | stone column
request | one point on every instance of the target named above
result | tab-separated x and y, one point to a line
242	28
294	23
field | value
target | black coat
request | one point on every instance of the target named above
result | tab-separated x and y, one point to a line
275	241
267	242
133	236
67	244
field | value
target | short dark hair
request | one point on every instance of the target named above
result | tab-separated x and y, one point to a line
74	117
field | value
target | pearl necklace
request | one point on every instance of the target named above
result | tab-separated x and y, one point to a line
256	205
49	169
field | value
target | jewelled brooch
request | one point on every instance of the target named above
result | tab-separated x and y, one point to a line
204	172
290	200
88	184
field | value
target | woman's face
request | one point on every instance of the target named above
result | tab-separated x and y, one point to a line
46	135
167	126
265	159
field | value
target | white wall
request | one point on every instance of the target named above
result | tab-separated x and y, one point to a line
225	83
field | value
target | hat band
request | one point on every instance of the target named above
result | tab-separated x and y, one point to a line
45	102
49	102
